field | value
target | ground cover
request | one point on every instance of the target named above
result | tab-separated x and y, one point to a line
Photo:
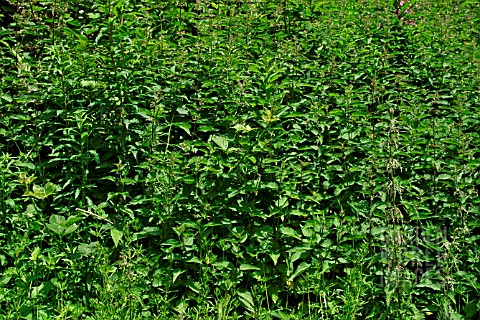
232	159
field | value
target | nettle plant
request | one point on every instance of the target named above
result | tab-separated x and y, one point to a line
239	159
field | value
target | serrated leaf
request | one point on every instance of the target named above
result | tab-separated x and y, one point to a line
327	243
246	299
116	236
221	141
427	283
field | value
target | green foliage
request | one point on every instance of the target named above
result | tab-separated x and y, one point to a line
232	160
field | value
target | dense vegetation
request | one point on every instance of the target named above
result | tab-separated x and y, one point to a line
257	159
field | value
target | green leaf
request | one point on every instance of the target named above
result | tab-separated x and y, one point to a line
88	249
147	232
176	274
71	229
245	267
56	219
246	299
289	232
55	228
93	16
7	97
301	268
274	257
224	265
221	141
185	126
194	260
116	235
35	254
41	192
427	283
50	189
444	176
95	156
73	219
29	165
182	110
206	129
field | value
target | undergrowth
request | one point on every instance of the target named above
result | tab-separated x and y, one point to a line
233	159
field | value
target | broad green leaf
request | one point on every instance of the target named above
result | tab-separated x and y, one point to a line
50	189
185	126
289	232
35	254
37	192
221	141
73	219
7	97
301	268
194	260
88	249
148	232
274	257
57	219
246	299
116	236
55	228
182	110
427	283
176	274
41	192
71	229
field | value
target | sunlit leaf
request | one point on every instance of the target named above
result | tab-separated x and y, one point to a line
116	236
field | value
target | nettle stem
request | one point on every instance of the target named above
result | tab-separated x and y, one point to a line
434	134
